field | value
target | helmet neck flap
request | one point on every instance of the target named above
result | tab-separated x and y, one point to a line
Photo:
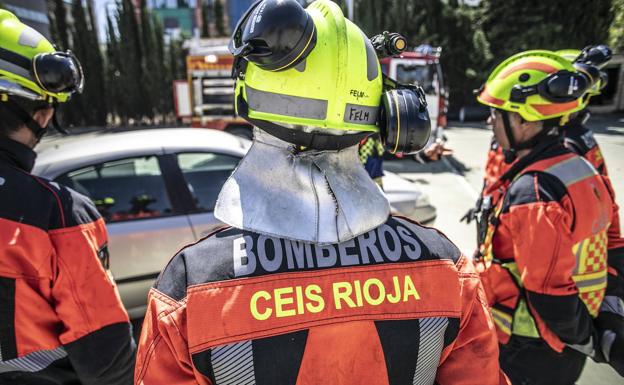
311	196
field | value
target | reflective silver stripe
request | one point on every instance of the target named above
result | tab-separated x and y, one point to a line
33	362
15	69
572	170
430	348
287	105
30	38
358	114
580	282
232	364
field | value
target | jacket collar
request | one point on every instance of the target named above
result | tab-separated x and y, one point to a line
550	147
16	154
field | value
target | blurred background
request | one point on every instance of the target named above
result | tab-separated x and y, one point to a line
134	50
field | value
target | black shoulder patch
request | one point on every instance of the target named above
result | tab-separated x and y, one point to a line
437	245
25	199
77	209
526	189
172	281
208	260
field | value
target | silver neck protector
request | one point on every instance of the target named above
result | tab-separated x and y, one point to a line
321	197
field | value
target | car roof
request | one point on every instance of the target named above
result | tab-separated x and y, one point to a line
56	154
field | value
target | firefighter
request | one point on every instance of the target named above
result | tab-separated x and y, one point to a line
371	151
543	245
312	281
61	319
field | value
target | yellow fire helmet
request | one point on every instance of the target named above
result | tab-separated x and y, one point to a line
319	74
30	66
538	85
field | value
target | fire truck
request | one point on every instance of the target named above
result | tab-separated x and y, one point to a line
206	98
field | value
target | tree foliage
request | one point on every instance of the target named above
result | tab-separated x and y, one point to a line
219	22
616	32
127	79
474	39
517	25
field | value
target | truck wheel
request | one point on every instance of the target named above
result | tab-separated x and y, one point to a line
244	132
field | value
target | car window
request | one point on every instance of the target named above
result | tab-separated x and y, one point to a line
124	189
420	75
205	174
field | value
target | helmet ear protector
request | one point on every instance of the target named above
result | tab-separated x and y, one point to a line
404	121
54	72
274	35
596	55
561	86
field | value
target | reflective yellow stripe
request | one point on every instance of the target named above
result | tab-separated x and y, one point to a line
502	320
523	322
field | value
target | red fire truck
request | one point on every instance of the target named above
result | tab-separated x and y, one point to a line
205	98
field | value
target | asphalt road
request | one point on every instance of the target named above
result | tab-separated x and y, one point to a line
453	185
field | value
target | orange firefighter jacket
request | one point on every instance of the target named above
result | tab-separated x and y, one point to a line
544	259
396	305
61	319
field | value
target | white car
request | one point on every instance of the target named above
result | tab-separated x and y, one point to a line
157	188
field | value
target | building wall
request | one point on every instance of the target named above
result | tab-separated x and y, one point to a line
612	97
31	12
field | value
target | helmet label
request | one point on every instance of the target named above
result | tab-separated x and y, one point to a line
358	114
257	17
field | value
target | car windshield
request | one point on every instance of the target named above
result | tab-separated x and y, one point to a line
418	74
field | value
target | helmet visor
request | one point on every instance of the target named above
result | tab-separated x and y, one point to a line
58	72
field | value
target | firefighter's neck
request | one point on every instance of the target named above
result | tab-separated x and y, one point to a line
524	132
25	136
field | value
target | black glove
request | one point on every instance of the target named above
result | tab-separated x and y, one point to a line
470	216
609	333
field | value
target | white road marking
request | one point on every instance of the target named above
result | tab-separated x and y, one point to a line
474	194
616	129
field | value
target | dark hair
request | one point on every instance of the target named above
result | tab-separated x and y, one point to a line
9	121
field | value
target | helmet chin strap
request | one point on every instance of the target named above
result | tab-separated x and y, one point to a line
31	123
510	154
26	118
514	146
